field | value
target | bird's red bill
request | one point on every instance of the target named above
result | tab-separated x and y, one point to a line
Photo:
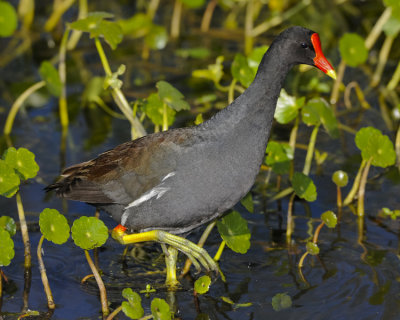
320	61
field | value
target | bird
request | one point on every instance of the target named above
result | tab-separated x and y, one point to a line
165	184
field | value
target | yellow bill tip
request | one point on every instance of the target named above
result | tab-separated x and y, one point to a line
331	73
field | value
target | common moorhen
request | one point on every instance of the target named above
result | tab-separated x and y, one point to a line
176	180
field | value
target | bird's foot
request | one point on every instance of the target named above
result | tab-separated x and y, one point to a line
196	254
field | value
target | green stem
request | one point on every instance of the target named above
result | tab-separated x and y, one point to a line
397	147
208	13
45	281
383	56
220	250
248	28
176	19
152	8
292	143
395	79
301	261
317	231
377	28
290	222
114	313
106	109
165	118
58	11
310	150
361	192
231	92
336	86
76	34
103	58
355	186
63	78
281	194
18	103
24	231
100	284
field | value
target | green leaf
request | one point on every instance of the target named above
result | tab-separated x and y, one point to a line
160	309
373	144
95	24
194	4
340	178
279	156
234	231
157	37
241	71
281	301
6	248
352	49
395	5
93	90
287	107
318	111
312	248
330	219
171	96
50	75
8	19
154	110
392	214
202	284
23	161
197	53
89	232
255	57
392	27
9	180
247	202
54	226
213	73
138	25
304	187
133	307
7	223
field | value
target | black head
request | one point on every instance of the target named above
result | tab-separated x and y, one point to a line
303	46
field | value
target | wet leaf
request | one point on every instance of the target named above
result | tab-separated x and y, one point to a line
8	19
352	49
95	24
23	161
133	307
50	75
247	202
330	219
199	119
138	25
312	248
340	178
281	301
395	5
154	110
194	4
373	144
202	284
157	37
234	231
7	223
241	71
392	214
392	27
160	309
89	232
6	248
9	180
213	73
54	226
287	107
171	96
304	187
279	156
318	111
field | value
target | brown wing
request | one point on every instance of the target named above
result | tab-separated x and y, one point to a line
122	174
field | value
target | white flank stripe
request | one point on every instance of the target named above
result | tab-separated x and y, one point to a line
169	175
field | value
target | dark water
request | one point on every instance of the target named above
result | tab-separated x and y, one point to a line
356	276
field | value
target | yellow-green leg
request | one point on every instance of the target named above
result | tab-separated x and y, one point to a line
171	256
196	254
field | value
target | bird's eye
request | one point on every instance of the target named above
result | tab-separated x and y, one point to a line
304	45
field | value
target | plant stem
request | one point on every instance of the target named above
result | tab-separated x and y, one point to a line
208	13
45	281
18	103
310	150
339	198
292	143
336	86
361	192
165	118
76	34
201	243
59	9
220	250
356	184
385	112
377	28
290	223
119	98
301	261
281	194
152	8
24	231
63	78
360	96
114	313
397	147
176	19
383	56
231	92
395	79
100	284
317	231
248	27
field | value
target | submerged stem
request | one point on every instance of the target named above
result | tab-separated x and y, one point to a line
100	284
220	250
45	281
383	56
310	150
290	222
355	186
361	192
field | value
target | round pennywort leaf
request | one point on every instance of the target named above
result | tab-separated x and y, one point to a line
54	226
202	284
8	19
312	248
340	178
23	161
9	180
133	307
281	301
234	231
89	232
304	187
8	224
160	309
6	248
330	219
352	49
